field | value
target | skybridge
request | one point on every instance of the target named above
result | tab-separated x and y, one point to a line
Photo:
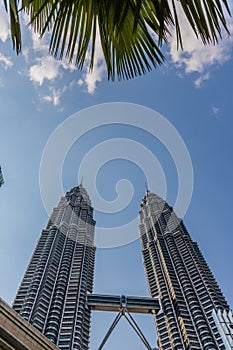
124	306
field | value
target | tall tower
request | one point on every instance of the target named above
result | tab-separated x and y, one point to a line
52	295
1	177
177	272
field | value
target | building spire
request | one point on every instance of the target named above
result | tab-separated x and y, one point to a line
147	188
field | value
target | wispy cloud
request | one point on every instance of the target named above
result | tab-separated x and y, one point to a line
54	95
215	111
90	79
198	82
4	34
39	45
80	82
6	61
4	28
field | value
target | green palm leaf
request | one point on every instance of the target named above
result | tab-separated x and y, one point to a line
131	31
12	7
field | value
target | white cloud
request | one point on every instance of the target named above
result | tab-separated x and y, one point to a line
91	78
26	54
39	45
197	57
4	28
95	76
80	82
198	82
43	70
54	95
7	63
215	111
47	68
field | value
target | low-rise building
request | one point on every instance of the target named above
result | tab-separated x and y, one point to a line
18	334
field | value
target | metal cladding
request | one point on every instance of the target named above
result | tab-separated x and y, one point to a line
178	274
1	178
52	295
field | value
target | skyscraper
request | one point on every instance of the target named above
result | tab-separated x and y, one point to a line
177	272
52	295
1	177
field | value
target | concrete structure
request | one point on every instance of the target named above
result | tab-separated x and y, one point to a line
178	274
18	334
52	295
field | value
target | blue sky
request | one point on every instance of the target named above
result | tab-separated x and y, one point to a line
193	91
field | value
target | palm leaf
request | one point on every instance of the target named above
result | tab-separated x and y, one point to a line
11	6
131	31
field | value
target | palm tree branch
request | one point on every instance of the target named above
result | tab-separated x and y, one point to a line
131	31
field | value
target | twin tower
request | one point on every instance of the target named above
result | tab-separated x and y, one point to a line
193	312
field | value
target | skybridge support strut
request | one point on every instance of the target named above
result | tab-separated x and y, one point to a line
124	312
137	329
113	325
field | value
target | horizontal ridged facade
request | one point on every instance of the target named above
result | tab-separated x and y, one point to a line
177	272
52	295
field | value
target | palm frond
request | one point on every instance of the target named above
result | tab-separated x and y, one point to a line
131	31
11	6
206	18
